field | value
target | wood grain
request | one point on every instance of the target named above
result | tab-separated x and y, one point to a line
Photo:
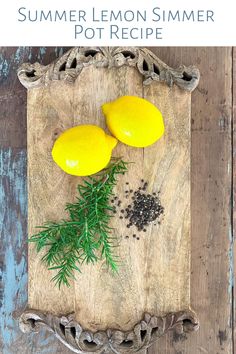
208	297
155	273
13	211
211	269
234	197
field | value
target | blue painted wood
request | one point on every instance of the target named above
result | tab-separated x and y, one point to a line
13	205
13	256
13	213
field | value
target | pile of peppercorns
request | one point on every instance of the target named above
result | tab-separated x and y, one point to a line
144	208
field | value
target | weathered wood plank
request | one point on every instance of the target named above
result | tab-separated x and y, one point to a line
13	206
13	94
211	286
210	298
12	57
13	251
234	194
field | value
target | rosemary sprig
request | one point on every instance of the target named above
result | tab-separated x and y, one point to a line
86	235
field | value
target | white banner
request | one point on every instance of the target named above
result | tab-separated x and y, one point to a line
110	23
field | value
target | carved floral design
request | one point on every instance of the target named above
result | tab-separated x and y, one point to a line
69	66
111	341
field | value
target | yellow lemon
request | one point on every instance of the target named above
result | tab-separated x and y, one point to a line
83	150
134	121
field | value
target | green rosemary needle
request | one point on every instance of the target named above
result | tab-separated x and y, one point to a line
85	237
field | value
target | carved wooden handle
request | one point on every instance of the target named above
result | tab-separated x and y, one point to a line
111	341
69	66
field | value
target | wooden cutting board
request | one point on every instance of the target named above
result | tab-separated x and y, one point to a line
154	274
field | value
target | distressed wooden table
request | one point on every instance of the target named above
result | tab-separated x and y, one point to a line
213	117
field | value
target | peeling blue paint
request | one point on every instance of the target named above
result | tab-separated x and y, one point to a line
13	256
59	51
4	66
19	53
14	275
10	64
13	210
13	228
42	52
13	269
